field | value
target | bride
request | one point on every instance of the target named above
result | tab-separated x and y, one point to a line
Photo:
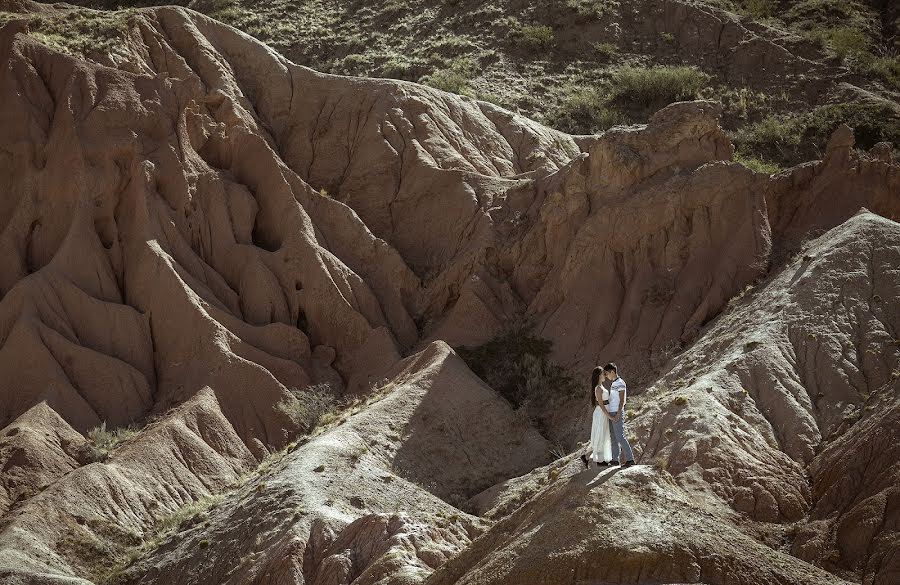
600	447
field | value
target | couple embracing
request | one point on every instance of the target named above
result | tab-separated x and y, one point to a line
608	426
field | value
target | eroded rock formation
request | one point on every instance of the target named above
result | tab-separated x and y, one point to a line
196	228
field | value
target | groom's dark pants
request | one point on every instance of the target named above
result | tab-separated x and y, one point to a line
617	438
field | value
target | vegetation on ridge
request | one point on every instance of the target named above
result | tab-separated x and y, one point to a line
102	441
563	63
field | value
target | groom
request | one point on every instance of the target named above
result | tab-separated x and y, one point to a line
616	409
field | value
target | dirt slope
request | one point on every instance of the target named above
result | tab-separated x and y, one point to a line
782	388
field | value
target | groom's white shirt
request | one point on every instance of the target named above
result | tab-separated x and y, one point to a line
618	385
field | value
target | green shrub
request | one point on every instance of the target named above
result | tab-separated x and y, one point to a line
740	102
453	45
775	137
354	64
401	67
796	138
871	122
584	111
844	42
655	87
605	51
885	68
809	15
536	37
757	164
308	406
454	79
760	8
517	365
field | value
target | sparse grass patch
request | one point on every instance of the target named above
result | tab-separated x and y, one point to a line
885	68
80	32
583	110
453	45
454	79
733	301
496	100
123	549
401	67
650	88
843	42
740	102
605	51
661	463
170	524
357	453
536	38
794	138
775	137
102	441
759	8
593	8
100	546
812	14
757	164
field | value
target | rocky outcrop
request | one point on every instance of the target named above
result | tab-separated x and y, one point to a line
360	502
785	385
619	526
37	449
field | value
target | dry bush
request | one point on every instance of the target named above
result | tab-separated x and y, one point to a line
102	441
517	365
308	406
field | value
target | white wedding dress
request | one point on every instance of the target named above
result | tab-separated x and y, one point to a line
600	447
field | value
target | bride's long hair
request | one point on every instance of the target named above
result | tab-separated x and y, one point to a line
595	379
